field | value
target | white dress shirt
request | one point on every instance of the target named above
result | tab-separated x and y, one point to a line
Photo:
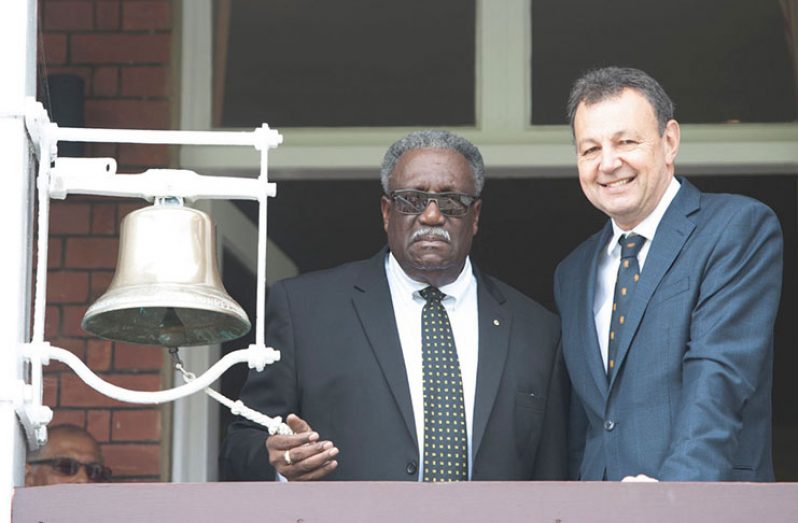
461	306
611	259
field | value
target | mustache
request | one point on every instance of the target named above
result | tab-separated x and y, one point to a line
422	233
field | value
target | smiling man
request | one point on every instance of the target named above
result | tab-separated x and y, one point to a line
412	365
668	311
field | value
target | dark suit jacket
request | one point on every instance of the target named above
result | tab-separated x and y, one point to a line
690	398
342	370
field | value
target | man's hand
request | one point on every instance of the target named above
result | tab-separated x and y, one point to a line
640	478
301	456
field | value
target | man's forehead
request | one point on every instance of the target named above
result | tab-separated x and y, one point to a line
432	166
614	115
71	445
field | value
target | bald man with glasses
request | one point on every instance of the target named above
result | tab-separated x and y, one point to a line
412	365
71	455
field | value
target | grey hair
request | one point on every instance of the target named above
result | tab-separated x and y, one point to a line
433	139
608	82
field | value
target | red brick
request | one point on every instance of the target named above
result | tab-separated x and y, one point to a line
136	425
67	287
68	16
54	253
75	393
144	155
146	15
120	48
52	321
133	460
128	356
91	253
107	15
128	114
105	81
98	354
69	417
72	316
99	284
145	81
54	48
69	218
103	219
50	390
98	423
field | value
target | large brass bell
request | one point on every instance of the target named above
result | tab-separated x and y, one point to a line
166	289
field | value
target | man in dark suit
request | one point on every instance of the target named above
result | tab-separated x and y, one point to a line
360	365
668	311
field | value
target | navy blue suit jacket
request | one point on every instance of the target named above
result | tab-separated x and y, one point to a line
342	370
691	398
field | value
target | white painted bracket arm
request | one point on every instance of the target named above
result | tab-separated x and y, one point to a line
255	356
97	176
262	138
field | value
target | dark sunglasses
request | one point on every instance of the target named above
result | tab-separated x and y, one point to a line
69	467
409	201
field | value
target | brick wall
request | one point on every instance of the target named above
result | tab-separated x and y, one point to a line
122	50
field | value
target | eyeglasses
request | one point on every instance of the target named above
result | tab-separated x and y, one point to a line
409	201
69	467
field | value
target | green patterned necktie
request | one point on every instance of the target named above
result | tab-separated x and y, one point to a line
445	437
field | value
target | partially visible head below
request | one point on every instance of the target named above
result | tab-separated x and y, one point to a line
626	141
432	181
71	455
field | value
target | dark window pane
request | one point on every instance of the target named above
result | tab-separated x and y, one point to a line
304	63
720	60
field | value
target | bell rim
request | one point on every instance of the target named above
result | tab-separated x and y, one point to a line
204	298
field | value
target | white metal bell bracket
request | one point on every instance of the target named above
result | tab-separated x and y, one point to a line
59	177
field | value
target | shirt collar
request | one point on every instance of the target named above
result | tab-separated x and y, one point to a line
410	287
648	227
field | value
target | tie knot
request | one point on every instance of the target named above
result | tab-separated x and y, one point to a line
432	294
631	245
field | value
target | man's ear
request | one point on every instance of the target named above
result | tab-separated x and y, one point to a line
672	138
385	208
476	210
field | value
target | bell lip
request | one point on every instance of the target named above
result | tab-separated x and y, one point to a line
235	329
201	297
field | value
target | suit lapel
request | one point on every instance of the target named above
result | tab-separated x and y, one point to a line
372	301
494	341
672	232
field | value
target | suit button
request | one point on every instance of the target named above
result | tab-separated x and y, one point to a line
412	467
609	425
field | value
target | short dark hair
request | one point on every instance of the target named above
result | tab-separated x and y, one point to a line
433	139
608	82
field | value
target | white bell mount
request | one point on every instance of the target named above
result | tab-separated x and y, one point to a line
59	177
